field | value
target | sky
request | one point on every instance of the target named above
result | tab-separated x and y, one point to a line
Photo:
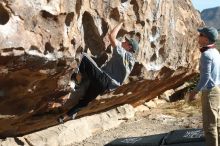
205	4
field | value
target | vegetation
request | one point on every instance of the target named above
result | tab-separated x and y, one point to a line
218	41
192	83
218	44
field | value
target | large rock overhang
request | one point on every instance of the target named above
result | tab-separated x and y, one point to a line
39	42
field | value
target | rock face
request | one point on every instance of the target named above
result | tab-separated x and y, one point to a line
40	40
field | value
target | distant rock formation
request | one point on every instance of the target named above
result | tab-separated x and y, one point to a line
40	39
211	17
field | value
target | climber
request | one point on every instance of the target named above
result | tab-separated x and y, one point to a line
109	76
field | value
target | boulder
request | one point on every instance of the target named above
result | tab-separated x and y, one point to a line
41	40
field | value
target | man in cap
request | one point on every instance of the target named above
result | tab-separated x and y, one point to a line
209	84
109	76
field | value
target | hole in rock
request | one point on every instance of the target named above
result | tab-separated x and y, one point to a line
4	15
78	6
69	18
48	15
93	40
153	58
48	48
115	14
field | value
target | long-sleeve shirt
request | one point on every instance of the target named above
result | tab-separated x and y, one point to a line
209	70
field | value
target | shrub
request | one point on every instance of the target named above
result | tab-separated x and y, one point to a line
218	44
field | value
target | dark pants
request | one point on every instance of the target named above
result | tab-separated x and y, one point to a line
99	82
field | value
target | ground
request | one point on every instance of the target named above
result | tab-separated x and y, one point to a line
162	119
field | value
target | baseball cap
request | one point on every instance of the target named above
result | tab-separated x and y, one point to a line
210	32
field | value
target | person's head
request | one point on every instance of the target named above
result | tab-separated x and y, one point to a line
130	45
207	35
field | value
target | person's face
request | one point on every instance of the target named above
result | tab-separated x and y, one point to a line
203	40
127	46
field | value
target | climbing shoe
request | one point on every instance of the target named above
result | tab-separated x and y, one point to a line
60	119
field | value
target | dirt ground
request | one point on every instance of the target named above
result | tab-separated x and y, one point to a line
162	119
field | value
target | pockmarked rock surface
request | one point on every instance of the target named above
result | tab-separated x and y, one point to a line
40	42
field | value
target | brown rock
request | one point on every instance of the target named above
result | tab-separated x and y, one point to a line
39	41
